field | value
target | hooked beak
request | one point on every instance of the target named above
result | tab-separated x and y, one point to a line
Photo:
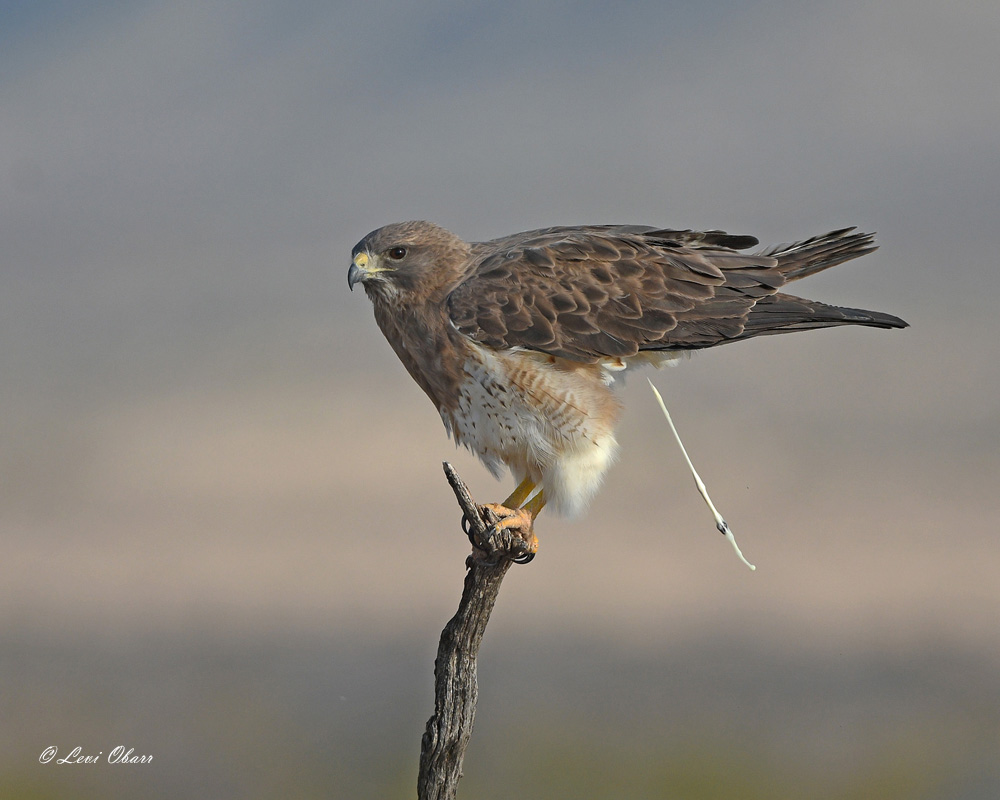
354	274
358	270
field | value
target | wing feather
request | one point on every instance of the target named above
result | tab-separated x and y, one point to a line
590	293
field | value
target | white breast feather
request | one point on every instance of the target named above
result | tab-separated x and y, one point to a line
524	413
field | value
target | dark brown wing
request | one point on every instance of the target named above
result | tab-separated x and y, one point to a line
613	291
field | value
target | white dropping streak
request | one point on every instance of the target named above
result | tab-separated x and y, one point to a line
720	523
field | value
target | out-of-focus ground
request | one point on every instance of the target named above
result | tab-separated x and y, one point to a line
249	584
704	717
226	538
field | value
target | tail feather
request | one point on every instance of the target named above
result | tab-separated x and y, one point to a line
783	313
749	302
810	256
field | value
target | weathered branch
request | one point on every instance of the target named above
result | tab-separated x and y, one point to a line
442	747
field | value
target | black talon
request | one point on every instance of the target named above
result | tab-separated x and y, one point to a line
524	558
467	529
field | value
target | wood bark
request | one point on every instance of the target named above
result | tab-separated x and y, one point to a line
442	748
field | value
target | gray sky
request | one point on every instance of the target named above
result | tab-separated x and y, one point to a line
190	389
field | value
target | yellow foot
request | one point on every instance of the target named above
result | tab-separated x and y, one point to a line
518	522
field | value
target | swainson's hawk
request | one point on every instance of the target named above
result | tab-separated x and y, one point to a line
517	340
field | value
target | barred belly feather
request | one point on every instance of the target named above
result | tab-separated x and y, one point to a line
548	419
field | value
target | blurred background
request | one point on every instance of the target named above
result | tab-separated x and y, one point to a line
226	538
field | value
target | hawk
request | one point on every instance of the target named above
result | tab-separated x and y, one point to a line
517	341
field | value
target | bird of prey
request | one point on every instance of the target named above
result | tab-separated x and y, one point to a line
517	341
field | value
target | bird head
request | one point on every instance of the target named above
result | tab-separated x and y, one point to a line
400	258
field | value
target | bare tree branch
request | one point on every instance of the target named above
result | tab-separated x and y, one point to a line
448	731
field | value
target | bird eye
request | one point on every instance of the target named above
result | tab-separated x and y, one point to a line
397	253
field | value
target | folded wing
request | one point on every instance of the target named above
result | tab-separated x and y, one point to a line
590	293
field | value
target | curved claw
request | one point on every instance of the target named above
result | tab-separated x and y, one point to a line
524	558
467	529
